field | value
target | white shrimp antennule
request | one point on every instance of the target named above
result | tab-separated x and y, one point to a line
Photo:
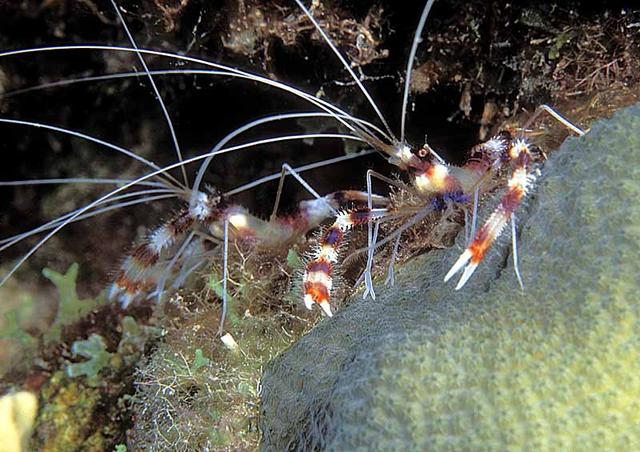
346	65
165	112
412	56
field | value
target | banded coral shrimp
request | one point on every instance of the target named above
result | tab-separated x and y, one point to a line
444	186
220	71
441	186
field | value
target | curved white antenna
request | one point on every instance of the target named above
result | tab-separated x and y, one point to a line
346	65
365	128
165	112
299	169
240	130
122	150
72	180
412	56
324	105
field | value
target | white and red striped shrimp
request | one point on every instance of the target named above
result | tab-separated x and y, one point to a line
318	278
138	275
519	185
144	267
439	184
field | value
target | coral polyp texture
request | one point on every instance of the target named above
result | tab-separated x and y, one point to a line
554	367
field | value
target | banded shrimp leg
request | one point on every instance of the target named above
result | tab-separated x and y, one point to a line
276	231
519	154
399	153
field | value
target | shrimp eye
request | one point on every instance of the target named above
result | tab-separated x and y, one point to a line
422	153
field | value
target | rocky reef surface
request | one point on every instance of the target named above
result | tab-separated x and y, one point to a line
555	366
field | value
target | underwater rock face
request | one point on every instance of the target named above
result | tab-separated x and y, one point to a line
489	366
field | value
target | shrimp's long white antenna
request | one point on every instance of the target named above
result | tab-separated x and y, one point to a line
346	65
122	150
165	112
73	180
300	169
412	56
111	76
161	171
328	107
238	131
162	194
367	126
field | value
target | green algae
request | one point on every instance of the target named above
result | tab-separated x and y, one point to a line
194	393
12	325
95	350
84	405
70	306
